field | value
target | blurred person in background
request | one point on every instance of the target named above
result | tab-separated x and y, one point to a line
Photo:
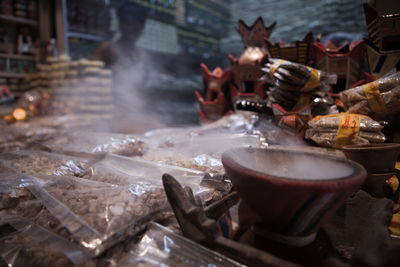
130	65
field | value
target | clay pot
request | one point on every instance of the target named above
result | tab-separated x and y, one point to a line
292	192
376	158
376	186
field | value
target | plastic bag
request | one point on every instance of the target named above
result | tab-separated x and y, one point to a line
201	153
12	189
94	142
230	124
96	214
161	247
295	84
376	99
290	76
32	245
46	163
337	130
136	172
21	135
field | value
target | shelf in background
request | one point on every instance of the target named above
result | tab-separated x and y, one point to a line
12	75
85	36
14	56
19	20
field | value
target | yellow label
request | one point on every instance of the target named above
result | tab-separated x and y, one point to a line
349	128
304	100
314	80
393	182
394	226
374	98
398	165
274	67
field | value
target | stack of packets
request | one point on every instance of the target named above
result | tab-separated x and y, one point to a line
338	130
82	86
296	84
377	99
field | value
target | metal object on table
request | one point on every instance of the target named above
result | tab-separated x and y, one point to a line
197	226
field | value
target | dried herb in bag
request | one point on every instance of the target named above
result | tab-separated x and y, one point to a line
342	129
377	99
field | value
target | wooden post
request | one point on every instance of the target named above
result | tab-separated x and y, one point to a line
44	20
60	27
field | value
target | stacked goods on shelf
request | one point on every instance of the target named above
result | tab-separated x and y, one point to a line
159	36
79	87
81	48
6	7
87	17
21	8
15	86
194	43
17	65
207	17
18	35
162	10
33	10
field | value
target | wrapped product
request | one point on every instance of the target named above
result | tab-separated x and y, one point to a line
118	170
376	99
295	84
162	247
115	198
98	215
32	245
46	163
13	189
297	77
342	129
20	136
94	142
201	153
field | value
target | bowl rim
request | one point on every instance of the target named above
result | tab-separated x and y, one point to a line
353	179
370	147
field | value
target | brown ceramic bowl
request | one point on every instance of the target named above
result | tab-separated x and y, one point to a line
376	186
293	192
376	158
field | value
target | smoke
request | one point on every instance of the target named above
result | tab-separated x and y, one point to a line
132	104
293	165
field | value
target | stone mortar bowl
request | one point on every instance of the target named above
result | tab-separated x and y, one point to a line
292	192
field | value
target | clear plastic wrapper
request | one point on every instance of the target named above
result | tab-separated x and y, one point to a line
200	152
297	77
21	136
46	163
95	142
336	130
296	85
161	247
327	123
13	189
98	214
70	122
376	99
32	245
119	170
230	124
